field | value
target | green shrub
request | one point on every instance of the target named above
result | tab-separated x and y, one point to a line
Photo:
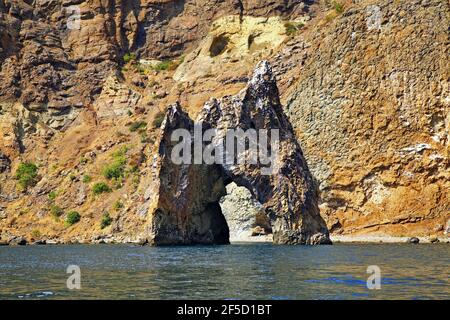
293	27
106	220
116	169
52	196
158	120
129	57
144	137
72	218
338	7
138	125
56	211
162	66
290	29
100	188
27	174
121	152
87	178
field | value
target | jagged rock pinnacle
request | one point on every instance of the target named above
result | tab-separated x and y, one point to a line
188	209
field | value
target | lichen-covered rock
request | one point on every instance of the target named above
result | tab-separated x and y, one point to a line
188	194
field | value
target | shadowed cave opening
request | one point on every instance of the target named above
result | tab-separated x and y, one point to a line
218	45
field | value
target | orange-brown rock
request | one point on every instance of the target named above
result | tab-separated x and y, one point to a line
371	109
366	90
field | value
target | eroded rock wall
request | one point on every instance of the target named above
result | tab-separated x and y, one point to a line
371	109
56	54
366	90
187	209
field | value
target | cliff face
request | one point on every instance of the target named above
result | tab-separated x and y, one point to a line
364	84
57	53
371	109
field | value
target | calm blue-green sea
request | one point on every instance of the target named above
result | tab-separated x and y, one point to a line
238	271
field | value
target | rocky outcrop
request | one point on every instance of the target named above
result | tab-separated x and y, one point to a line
178	25
187	207
232	43
116	99
365	87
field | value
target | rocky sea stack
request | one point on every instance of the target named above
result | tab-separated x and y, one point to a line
187	210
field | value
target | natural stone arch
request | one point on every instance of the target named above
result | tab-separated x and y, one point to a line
186	209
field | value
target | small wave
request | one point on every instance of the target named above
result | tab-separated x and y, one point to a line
33	295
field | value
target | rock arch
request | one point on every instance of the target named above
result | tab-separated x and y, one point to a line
186	209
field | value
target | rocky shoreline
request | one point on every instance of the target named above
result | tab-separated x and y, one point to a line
386	239
336	239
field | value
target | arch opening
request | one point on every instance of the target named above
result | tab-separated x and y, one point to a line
245	216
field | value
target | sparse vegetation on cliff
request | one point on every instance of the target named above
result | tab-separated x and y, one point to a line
346	61
106	220
118	205
100	187
138	125
52	196
338	7
293	27
116	169
129	57
56	211
27	175
165	65
87	178
158	120
36	234
72	218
